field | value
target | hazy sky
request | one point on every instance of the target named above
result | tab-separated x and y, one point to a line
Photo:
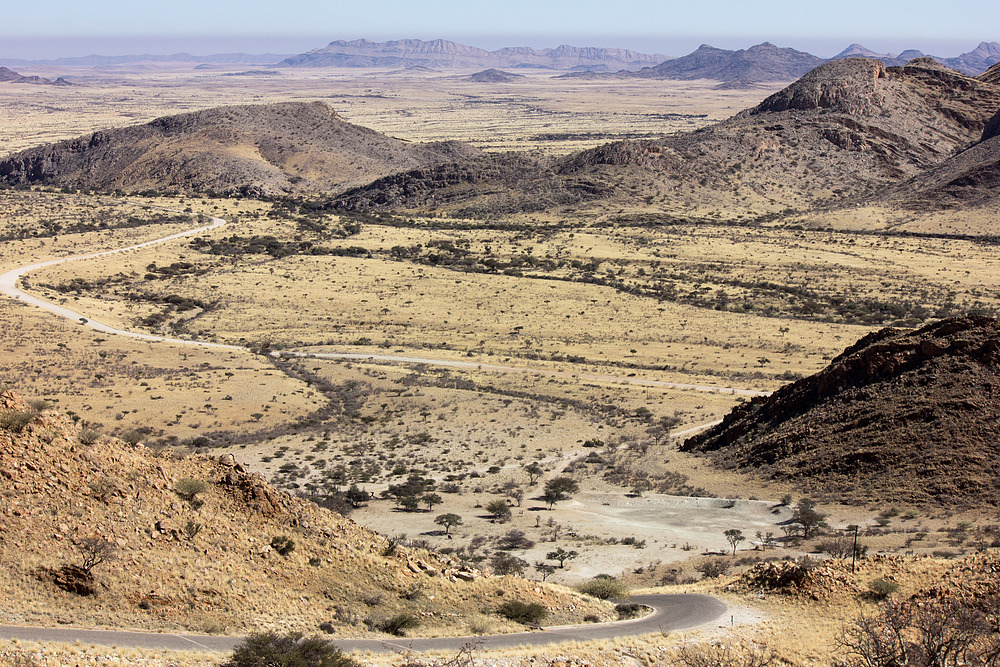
54	28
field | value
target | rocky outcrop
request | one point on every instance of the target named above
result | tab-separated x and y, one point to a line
848	86
898	417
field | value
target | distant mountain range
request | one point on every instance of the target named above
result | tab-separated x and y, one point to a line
443	53
973	63
767	62
762	62
110	61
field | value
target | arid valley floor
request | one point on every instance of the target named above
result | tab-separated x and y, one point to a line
424	343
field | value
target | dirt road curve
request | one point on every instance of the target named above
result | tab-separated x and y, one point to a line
8	286
670	612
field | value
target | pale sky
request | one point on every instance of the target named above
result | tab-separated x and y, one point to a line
57	28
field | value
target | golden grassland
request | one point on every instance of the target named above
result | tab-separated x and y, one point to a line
539	112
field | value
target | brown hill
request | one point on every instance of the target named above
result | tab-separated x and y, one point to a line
847	128
273	149
495	76
899	417
193	542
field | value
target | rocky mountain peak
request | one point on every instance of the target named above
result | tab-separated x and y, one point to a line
849	86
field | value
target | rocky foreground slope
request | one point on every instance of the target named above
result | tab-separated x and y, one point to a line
209	560
899	417
253	150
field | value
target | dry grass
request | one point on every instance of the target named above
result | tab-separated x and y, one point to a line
536	113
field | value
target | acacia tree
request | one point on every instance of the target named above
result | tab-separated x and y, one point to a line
808	517
431	499
95	551
734	537
534	472
561	556
448	521
498	510
559	488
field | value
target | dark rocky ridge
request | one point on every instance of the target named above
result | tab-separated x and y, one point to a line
763	62
898	417
846	129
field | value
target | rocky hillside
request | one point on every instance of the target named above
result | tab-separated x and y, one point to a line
846	129
899	417
201	544
273	149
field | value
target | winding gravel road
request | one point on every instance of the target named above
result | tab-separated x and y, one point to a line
669	612
8	286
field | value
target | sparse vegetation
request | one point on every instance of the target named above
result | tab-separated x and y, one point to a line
605	587
528	613
268	648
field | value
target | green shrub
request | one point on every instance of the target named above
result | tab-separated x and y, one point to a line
628	610
188	488
282	544
605	587
882	588
293	650
522	612
395	625
16	420
89	436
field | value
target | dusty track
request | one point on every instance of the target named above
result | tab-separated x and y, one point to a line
9	280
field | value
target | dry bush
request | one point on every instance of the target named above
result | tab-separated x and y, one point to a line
925	633
742	654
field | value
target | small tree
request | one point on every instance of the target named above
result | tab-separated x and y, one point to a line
409	503
357	496
713	568
522	612
605	587
188	489
498	510
431	499
561	556
95	551
534	472
544	569
504	563
514	539
808	517
734	537
559	488
448	520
